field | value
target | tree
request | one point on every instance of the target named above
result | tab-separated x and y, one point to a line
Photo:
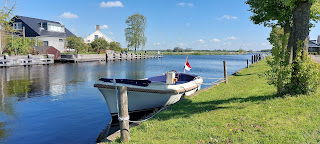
135	32
282	13
5	20
178	49
76	43
241	50
115	46
301	73
99	44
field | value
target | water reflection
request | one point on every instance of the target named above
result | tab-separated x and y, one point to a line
135	70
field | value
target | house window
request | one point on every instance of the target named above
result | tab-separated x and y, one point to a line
17	26
45	43
55	27
96	36
60	40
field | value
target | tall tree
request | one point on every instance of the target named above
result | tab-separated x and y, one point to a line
281	12
6	13
135	32
270	13
296	14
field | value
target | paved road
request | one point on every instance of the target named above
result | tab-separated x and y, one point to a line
316	58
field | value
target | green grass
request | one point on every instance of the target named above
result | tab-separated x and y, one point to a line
246	110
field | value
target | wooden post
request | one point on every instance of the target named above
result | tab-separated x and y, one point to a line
123	114
252	59
225	71
247	63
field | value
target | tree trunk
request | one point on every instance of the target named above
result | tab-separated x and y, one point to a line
299	33
287	29
300	29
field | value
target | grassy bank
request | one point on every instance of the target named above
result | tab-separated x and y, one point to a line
244	111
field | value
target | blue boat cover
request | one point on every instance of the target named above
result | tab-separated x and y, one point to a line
184	78
128	81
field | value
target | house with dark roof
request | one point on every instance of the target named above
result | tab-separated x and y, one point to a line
52	33
314	45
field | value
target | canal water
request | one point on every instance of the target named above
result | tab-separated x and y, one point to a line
58	103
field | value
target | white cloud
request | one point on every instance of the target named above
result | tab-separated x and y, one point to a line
188	24
190	4
157	44
228	17
111	4
215	40
68	15
201	41
104	27
181	44
264	44
110	33
185	4
231	38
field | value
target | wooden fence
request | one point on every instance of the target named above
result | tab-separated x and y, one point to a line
28	60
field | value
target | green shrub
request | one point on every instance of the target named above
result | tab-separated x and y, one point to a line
300	77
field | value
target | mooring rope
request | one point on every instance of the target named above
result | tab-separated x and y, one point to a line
116	88
212	83
150	116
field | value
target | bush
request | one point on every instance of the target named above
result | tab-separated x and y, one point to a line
300	77
21	45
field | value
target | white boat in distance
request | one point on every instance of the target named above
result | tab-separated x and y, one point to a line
154	92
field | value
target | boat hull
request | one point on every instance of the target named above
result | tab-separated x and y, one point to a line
139	101
156	94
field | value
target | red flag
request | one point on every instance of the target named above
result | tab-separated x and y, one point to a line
187	65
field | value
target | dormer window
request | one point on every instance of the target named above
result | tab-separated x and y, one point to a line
55	27
17	26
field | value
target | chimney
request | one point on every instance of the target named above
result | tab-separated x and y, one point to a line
97	27
318	40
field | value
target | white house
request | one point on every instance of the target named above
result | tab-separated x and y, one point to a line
97	34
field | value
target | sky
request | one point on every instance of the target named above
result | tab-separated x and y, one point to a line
196	24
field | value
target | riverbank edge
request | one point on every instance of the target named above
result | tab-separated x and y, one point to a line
116	135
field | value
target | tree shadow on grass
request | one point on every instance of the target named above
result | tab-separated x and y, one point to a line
186	108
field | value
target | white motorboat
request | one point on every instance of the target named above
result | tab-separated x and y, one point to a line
154	92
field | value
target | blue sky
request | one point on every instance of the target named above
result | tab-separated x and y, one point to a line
196	24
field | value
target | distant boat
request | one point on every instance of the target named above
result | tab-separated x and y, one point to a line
154	92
